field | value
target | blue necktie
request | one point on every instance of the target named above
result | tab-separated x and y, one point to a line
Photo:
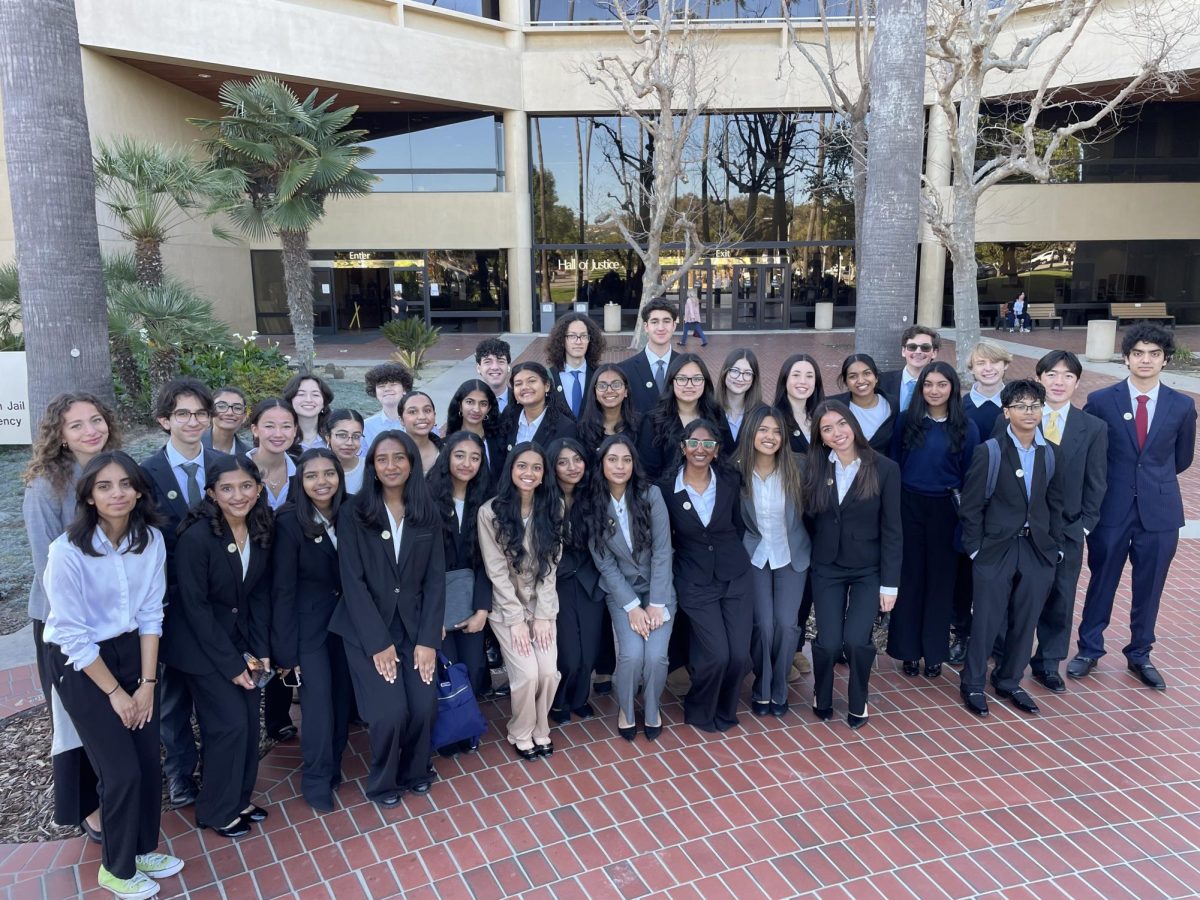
906	394
576	394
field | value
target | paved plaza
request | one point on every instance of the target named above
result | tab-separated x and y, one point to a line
1097	797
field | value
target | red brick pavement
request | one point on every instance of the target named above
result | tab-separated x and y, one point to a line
1099	797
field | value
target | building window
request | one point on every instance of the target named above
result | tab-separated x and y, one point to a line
423	152
700	10
486	9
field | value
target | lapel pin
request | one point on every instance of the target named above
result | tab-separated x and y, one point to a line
510	446
1128	417
560	388
649	384
317	539
796	433
829	482
1020	473
387	535
232	548
686	505
612	523
172	495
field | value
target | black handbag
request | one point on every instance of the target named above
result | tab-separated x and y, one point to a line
458	715
460	597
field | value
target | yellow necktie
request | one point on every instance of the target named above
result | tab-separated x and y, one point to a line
1053	433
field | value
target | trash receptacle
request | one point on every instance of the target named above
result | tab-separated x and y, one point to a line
547	317
580	306
612	318
823	317
1101	340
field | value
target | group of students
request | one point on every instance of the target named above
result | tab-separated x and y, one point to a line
619	520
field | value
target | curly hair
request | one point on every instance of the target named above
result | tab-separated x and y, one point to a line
51	459
479	488
556	341
545	520
394	373
260	521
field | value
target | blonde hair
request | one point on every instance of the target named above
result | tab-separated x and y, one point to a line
988	351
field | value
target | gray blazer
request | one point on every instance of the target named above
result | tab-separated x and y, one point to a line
799	542
645	577
47	515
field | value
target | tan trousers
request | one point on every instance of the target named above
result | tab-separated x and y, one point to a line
533	680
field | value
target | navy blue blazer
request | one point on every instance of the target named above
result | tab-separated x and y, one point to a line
1146	479
167	497
642	390
305	589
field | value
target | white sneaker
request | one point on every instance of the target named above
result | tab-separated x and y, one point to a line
158	865
138	887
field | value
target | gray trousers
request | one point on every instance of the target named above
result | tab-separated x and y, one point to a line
640	662
777	596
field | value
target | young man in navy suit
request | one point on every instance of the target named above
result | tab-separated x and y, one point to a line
1151	439
646	370
919	346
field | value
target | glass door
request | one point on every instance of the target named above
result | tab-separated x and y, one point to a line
324	310
773	308
410	293
760	293
698	279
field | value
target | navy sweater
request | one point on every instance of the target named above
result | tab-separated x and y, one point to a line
984	416
931	469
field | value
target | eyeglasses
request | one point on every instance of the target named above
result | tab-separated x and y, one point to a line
578	338
1025	407
740	374
694	444
183	416
606	386
685	380
221	406
354	437
918	348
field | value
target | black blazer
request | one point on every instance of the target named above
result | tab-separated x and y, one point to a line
167	497
216	614
557	386
555	424
889	386
862	534
881	440
989	526
713	552
240	447
305	589
656	460
642	390
385	602
576	562
458	556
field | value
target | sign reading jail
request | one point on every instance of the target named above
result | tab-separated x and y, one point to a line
14	399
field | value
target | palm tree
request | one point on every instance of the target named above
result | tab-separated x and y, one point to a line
288	156
151	190
49	155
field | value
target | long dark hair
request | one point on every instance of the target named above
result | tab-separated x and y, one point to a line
668	430
143	515
784	404
419	508
454	416
720	462
819	472
573	533
753	393
479	488
260	521
591	418
545	519
268	403
556	341
853	358
293	387
306	510
786	464
556	406
956	418
598	522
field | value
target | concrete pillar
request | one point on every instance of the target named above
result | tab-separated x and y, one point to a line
1101	340
516	182
932	277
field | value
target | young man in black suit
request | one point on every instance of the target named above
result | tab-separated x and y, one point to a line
493	362
1014	537
573	351
646	371
177	473
919	346
1081	444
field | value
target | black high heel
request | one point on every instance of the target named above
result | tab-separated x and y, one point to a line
255	814
824	713
856	722
653	731
628	733
92	833
238	829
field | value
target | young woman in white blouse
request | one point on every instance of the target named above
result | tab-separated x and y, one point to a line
779	548
105	579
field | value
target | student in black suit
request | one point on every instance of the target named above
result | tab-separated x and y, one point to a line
607	409
306	588
229	415
420	423
493	359
393	566
853	496
875	414
689	396
712	575
1081	445
919	347
573	351
538	414
460	484
647	369
177	474
798	390
217	635
1014	538
474	408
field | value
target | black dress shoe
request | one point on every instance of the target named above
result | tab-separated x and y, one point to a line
602	687
92	833
1080	667
240	828
779	709
1148	675
182	792
824	713
934	671
856	722
546	749
502	690
585	711
976	702
284	734
761	707
255	814
389	801
561	716
628	733
322	803
912	668
1020	699
653	731
1051	681
958	652
422	787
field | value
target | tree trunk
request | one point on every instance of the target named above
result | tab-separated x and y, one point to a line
966	288
297	278
125	368
49	153
164	365
887	273
858	155
147	254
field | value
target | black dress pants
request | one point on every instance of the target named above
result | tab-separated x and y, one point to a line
125	760
920	623
846	601
580	618
76	793
1012	589
175	726
228	717
963	593
399	721
277	706
1054	624
721	617
325	696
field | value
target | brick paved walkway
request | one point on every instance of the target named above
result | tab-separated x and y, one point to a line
1099	797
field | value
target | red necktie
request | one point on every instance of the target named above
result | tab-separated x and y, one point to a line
1141	420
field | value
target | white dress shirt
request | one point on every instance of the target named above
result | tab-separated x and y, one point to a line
277	500
1134	393
703	502
844	476
979	399
1062	416
354	478
397	533
96	598
870	420
526	429
178	461
330	532
621	513
770	511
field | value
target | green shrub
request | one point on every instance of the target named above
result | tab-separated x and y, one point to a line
413	339
259	369
1183	355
